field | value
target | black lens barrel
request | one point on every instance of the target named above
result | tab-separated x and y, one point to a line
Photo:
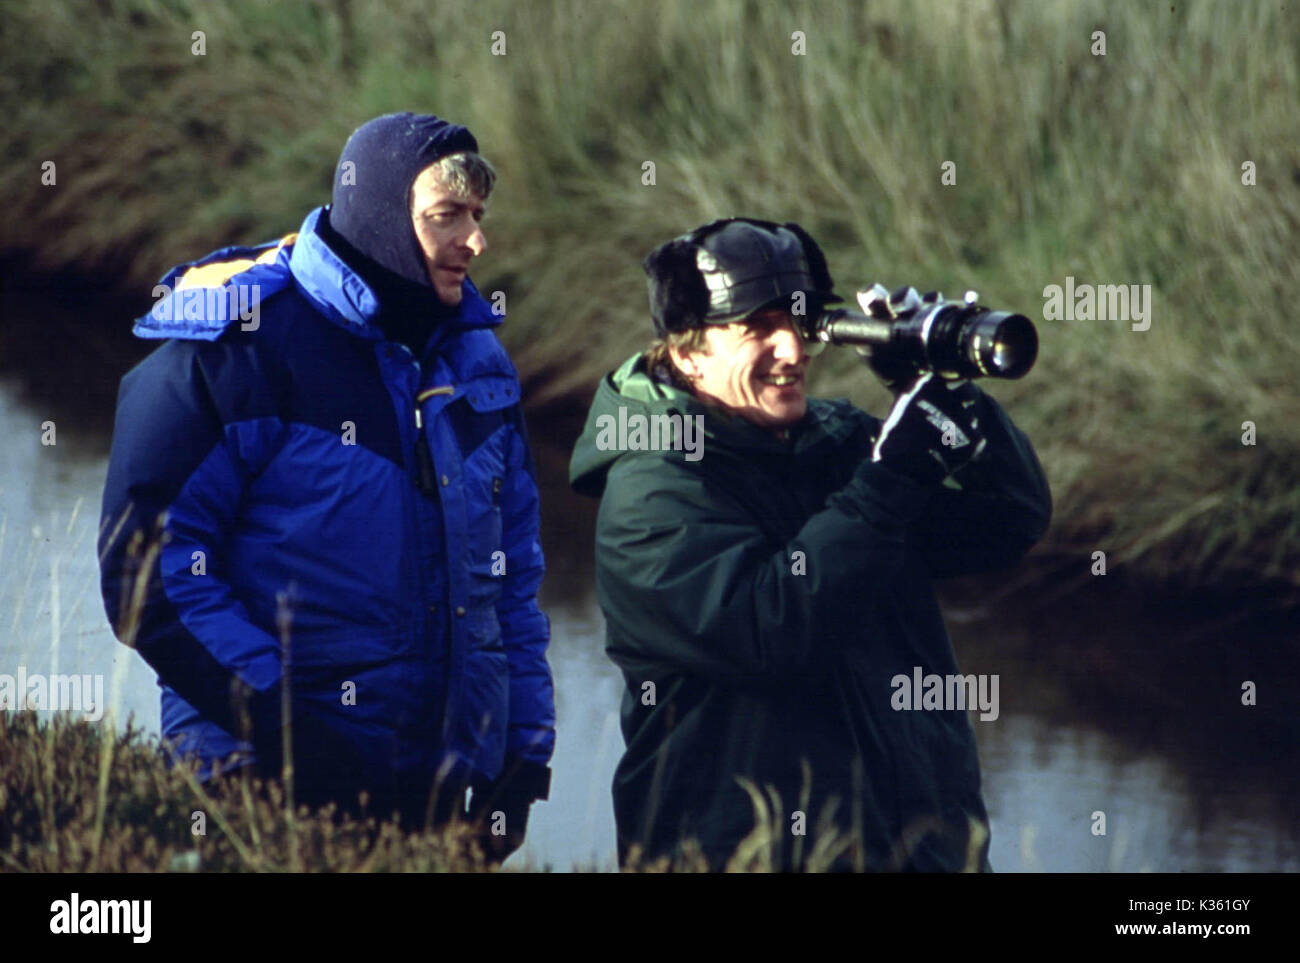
954	338
973	342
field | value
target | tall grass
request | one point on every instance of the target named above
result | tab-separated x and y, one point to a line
157	819
1123	168
55	816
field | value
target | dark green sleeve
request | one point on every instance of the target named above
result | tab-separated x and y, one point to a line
1003	508
689	581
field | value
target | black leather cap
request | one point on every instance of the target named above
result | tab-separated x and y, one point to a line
728	269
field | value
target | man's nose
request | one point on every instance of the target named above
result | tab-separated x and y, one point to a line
788	346
477	240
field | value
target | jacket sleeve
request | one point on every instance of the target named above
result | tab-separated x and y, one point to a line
1003	507
524	628
175	477
690	580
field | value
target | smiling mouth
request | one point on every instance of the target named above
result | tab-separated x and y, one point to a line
781	381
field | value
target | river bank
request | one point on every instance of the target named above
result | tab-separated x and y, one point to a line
1109	696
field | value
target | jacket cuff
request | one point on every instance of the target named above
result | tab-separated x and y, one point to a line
532	780
519	779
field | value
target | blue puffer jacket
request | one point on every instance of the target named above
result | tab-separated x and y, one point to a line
283	452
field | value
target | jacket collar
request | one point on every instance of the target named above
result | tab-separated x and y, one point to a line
341	295
200	299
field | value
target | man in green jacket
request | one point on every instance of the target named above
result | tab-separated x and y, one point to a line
765	564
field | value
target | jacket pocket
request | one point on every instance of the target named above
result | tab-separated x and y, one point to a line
488	560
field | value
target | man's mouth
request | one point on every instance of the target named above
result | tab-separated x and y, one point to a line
781	381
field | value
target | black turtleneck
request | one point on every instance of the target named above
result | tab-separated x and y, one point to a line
408	312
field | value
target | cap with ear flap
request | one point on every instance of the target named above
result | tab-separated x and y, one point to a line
728	269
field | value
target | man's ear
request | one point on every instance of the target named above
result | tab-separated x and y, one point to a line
684	362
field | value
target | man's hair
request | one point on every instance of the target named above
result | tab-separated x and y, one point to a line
466	172
659	360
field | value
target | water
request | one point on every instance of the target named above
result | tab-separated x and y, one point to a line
1050	760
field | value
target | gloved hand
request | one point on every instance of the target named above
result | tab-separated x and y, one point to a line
895	372
503	804
932	430
254	718
264	711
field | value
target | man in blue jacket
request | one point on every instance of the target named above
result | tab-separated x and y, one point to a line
321	479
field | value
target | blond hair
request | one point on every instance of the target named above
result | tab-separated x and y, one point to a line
659	359
466	173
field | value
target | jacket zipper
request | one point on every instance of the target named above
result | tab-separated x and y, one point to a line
426	475
439	621
426	482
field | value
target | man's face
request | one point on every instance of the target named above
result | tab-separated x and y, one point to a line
754	368
447	225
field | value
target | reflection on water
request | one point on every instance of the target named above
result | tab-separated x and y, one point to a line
1167	808
1043	782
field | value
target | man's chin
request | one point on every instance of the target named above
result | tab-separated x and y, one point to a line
779	417
787	416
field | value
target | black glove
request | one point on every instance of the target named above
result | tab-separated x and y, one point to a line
895	372
254	718
932	430
501	806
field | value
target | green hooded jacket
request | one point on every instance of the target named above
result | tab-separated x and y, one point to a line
762	598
